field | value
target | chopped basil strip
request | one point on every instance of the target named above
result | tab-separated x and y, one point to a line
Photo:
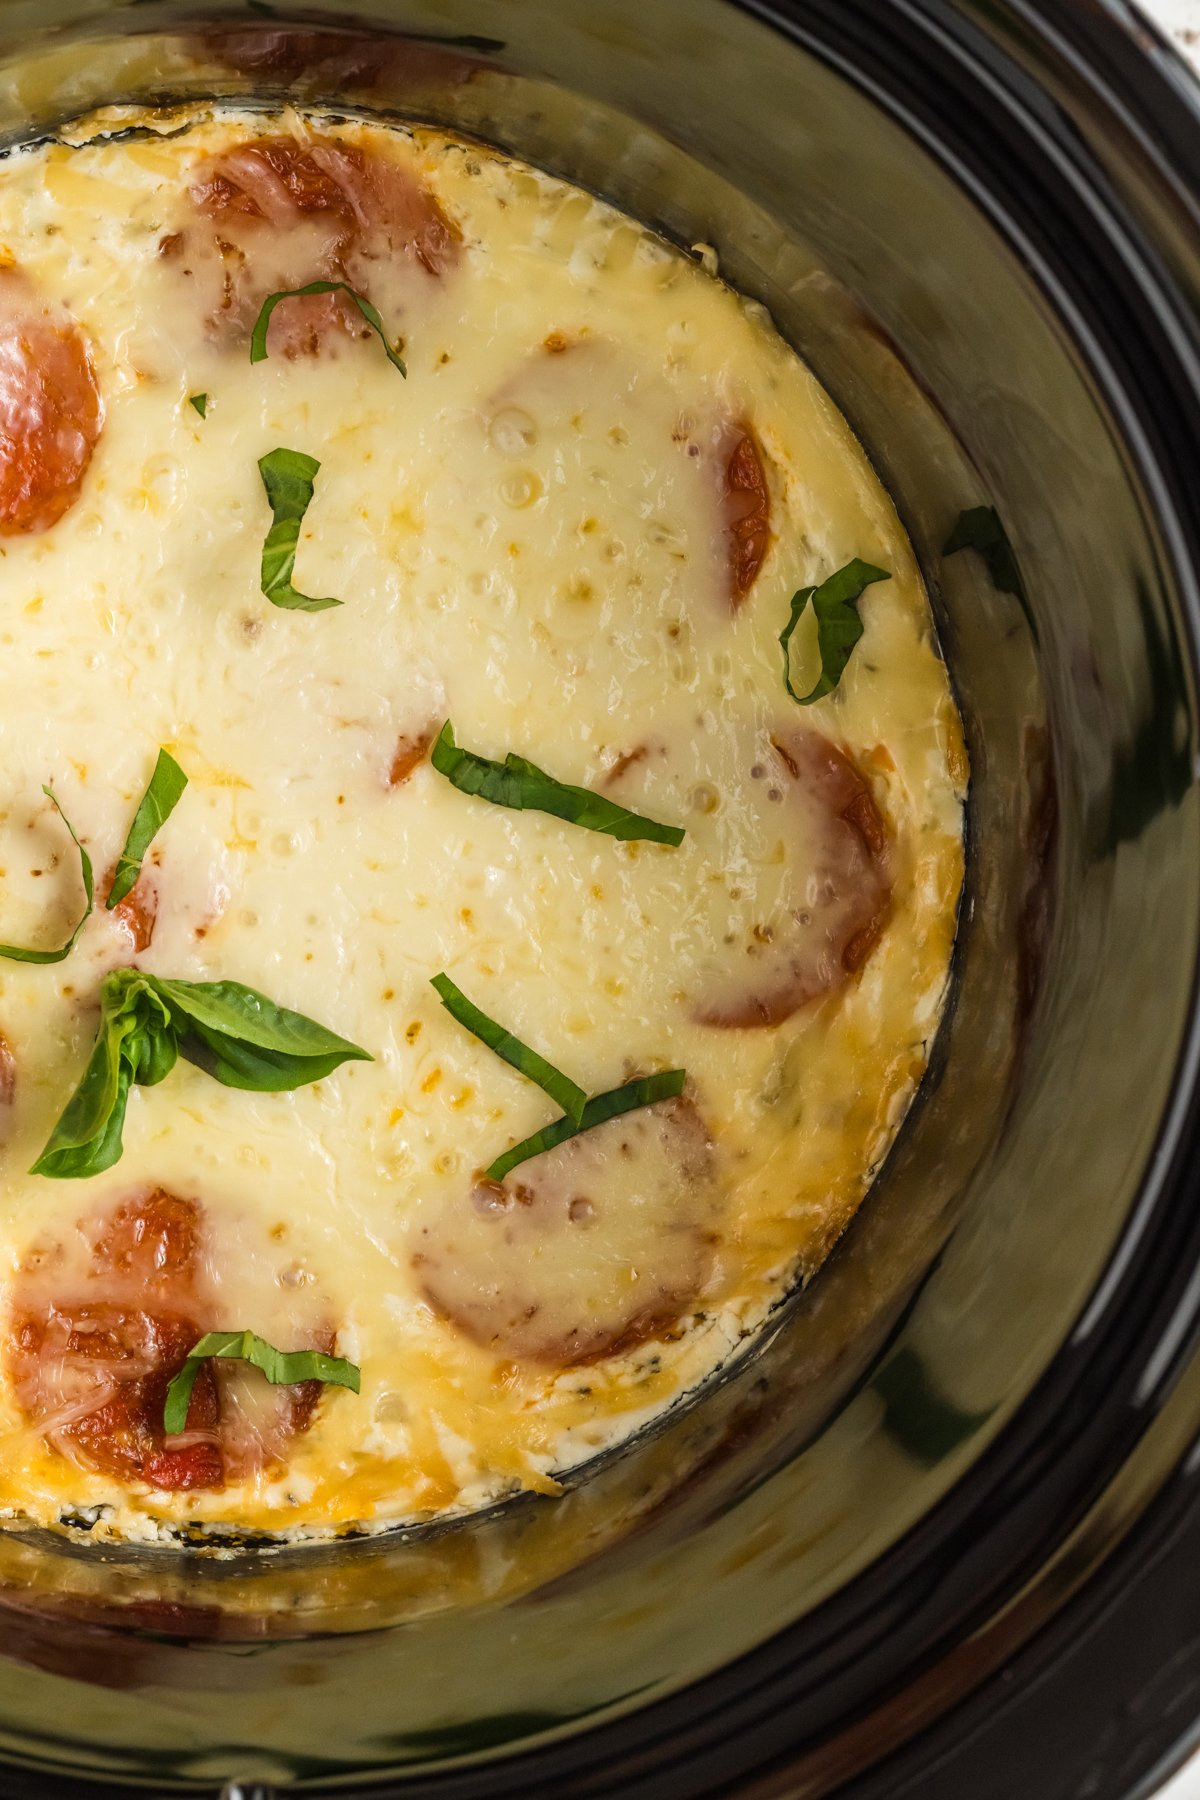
13	952
647	1090
521	784
288	477
979	528
200	402
157	804
835	604
234	1034
282	1367
258	337
510	1049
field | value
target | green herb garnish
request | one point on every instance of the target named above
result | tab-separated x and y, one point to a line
510	1049
579	1113
200	402
234	1034
288	477
13	952
980	528
647	1090
835	604
282	1367
258	337
157	804
521	784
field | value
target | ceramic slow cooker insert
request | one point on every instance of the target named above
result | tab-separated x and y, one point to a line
884	1548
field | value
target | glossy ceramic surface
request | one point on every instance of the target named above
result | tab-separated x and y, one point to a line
978	221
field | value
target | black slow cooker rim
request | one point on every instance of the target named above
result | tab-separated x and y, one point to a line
755	1721
1082	1675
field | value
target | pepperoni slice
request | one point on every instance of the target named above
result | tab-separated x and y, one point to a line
50	411
153	1244
102	1321
91	1366
95	1381
746	504
822	920
137	912
279	214
258	1421
587	1250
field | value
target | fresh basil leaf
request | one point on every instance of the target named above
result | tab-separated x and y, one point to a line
835	604
241	1038
200	402
155	808
233	1033
64	1161
87	1138
510	1049
14	952
288	477
282	1367
980	528
647	1090
258	337
241	1065
518	783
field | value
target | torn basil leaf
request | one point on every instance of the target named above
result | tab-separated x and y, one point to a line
258	337
519	783
155	808
200	402
561	1089
14	952
835	604
288	477
244	1040
647	1090
282	1367
980	528
233	1033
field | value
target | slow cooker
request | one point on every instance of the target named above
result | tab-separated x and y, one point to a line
937	1533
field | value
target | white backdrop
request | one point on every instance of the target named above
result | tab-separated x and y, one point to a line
1179	16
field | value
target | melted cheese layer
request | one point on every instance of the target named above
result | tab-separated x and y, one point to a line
522	543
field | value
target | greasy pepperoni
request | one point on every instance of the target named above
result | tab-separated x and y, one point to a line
746	502
50	412
279	214
91	1366
588	1249
837	905
273	178
258	1421
152	1244
95	1379
101	1323
137	912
